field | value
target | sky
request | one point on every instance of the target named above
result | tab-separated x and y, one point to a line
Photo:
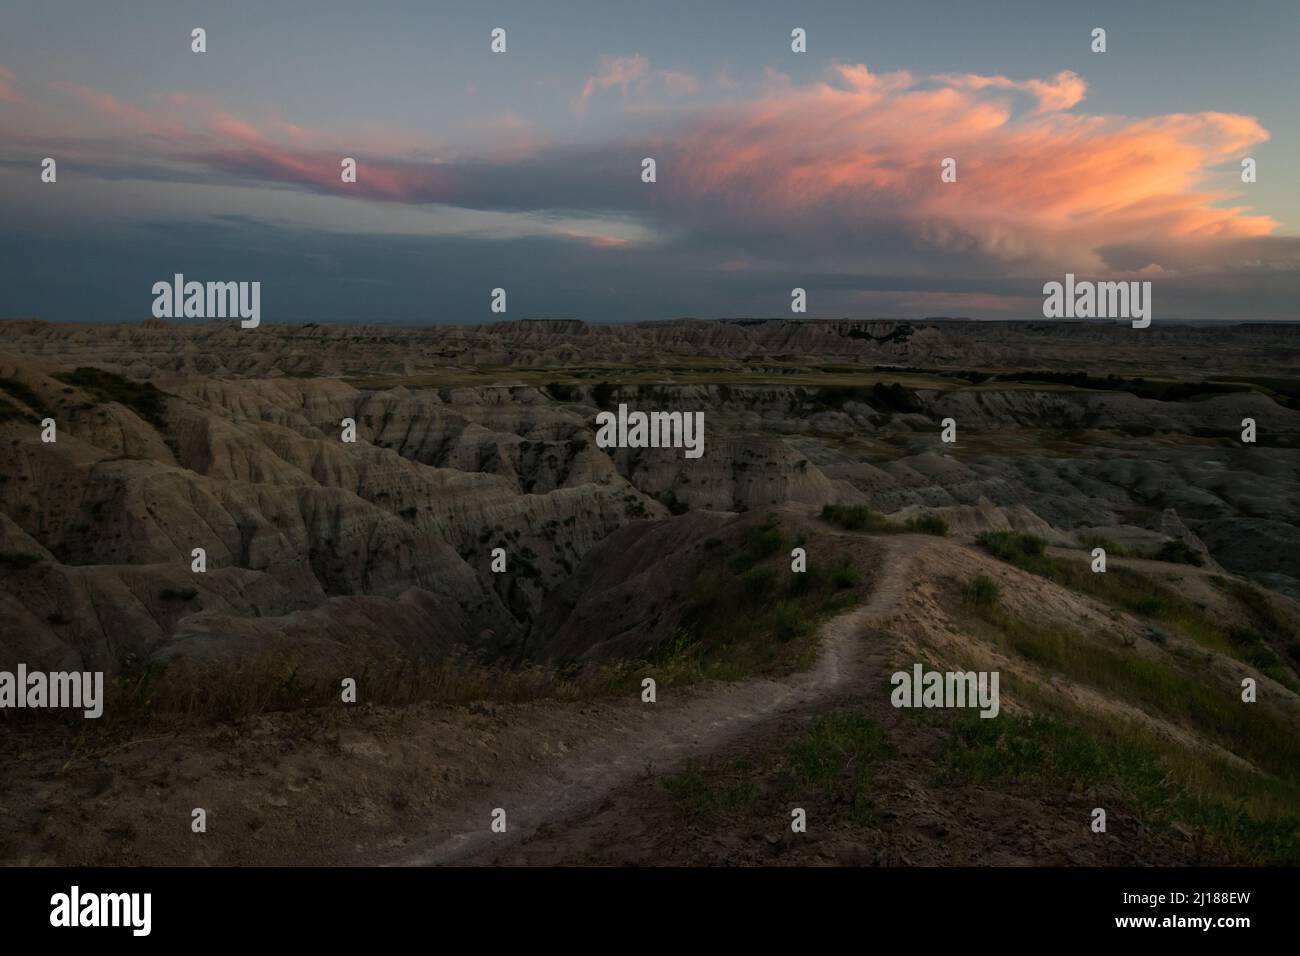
774	169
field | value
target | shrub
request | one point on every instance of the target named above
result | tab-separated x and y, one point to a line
24	394
11	412
1014	547
982	591
1179	552
701	795
928	524
143	398
837	757
561	392
17	560
789	621
676	506
759	581
857	518
843	576
1112	548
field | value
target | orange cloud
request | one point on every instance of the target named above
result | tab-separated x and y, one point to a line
839	163
1063	91
867	148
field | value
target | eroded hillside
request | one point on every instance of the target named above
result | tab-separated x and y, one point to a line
177	438
381	559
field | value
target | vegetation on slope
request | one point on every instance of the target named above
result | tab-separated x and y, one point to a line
1251	817
143	398
24	394
862	518
1254	814
749	613
834	759
1138	594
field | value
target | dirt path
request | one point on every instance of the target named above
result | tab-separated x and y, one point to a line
674	730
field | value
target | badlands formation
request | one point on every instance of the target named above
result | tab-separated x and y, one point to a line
172	437
501	580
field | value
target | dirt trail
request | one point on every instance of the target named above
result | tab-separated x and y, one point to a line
674	730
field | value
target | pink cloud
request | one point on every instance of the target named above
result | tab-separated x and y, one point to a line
632	76
614	71
8	93
95	99
232	127
194	129
867	147
123	117
854	155
1061	92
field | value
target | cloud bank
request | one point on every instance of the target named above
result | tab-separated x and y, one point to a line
837	180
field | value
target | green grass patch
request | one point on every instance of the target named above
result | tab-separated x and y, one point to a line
1252	818
982	591
1255	650
9	412
843	576
705	797
1213	711
1113	549
857	518
1136	593
748	613
928	524
1269	643
757	544
1023	550
24	394
1263	613
862	518
143	398
836	757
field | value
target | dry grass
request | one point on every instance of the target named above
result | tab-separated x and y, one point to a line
193	693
